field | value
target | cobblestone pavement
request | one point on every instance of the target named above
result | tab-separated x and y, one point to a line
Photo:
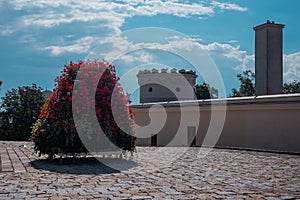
152	173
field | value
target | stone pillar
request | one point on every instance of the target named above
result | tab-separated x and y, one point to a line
268	58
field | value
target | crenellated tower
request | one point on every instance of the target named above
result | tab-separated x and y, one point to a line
165	86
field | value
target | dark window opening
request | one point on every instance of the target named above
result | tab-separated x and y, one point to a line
154	140
191	136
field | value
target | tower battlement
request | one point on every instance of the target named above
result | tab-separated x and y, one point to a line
164	85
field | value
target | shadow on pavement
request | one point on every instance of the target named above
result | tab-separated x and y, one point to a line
88	165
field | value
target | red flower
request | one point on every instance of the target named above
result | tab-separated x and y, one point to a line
59	105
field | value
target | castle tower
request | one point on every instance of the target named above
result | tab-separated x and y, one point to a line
165	86
268	58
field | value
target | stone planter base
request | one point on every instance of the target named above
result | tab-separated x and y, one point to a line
104	154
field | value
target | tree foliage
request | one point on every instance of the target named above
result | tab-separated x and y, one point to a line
246	85
19	110
205	91
289	88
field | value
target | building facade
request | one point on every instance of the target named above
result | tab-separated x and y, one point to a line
261	122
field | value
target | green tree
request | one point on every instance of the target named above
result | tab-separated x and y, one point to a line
293	87
205	91
247	86
19	110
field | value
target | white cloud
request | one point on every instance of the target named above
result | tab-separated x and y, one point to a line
123	50
82	45
151	8
291	62
108	14
112	15
93	10
6	30
247	63
241	60
291	67
109	48
232	41
51	13
128	52
48	21
138	56
233	54
229	6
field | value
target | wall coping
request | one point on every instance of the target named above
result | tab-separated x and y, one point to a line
264	99
165	71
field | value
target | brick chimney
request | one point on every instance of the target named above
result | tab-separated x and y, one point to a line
268	58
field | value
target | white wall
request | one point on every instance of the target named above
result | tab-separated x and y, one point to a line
265	122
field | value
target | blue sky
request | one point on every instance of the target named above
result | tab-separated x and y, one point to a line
38	37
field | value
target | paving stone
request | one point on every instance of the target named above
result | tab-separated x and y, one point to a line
224	174
272	198
140	197
226	193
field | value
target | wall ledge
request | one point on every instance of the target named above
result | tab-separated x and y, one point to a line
265	99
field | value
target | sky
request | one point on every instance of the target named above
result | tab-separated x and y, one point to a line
38	37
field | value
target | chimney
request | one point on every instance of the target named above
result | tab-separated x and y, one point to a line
268	58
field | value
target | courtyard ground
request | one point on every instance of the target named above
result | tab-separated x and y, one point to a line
152	173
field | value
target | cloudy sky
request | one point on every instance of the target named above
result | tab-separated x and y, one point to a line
37	37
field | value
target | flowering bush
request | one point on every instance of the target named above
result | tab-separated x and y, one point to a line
55	129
